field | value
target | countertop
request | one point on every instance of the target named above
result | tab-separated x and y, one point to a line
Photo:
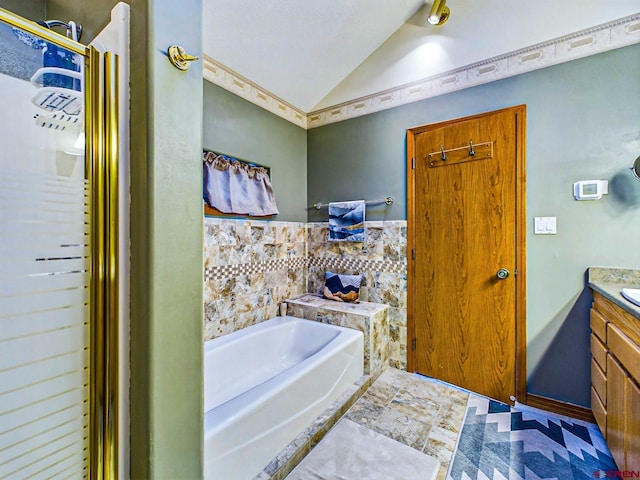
610	281
313	300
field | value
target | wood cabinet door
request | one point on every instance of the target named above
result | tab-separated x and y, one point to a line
617	384
633	426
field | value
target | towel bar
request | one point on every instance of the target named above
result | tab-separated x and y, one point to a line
387	200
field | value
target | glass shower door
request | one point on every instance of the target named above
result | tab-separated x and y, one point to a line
45	270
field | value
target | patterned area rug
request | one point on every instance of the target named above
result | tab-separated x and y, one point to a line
500	442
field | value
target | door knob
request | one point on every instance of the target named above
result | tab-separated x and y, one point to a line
502	273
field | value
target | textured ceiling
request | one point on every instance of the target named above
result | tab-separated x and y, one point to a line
316	54
299	50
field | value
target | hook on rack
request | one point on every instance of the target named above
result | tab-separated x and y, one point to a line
464	153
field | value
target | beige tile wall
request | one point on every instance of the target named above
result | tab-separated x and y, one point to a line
251	266
381	259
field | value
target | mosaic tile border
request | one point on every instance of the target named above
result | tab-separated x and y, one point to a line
388	266
224	271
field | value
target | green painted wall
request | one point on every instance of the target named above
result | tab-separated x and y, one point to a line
93	16
241	129
33	10
583	123
166	240
166	334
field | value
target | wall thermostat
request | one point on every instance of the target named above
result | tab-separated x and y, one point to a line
590	189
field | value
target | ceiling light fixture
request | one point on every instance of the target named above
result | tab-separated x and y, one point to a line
439	13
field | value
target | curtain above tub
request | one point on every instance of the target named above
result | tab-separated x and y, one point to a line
234	186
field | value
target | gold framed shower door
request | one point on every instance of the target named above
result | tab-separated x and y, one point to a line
101	172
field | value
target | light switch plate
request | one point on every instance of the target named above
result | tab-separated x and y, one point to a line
544	226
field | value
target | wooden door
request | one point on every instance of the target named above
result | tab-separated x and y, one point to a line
466	230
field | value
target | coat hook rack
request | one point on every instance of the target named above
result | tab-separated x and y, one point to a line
466	153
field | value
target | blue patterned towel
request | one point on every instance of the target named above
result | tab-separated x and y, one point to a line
346	221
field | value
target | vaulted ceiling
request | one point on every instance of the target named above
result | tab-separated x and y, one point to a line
315	54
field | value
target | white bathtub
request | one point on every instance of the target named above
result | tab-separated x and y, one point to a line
265	384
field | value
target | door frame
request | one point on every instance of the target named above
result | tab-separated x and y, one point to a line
521	236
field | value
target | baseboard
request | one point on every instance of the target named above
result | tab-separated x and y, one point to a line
561	408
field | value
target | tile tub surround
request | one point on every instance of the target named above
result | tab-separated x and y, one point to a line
300	446
381	259
422	413
250	266
369	318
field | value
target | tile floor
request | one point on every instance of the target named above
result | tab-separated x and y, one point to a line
351	451
409	409
403	410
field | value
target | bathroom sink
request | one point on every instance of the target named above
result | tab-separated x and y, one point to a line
632	294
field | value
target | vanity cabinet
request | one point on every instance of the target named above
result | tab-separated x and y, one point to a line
615	379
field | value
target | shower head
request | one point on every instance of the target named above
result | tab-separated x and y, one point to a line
74	30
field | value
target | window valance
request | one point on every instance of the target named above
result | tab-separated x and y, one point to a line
237	187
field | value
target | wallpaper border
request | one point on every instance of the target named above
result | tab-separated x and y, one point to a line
608	36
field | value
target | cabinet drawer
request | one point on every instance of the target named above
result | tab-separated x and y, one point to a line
599	325
599	382
599	352
599	412
626	351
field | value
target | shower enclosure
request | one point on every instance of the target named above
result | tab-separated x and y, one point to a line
58	256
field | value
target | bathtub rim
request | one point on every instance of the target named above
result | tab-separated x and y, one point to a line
345	336
258	327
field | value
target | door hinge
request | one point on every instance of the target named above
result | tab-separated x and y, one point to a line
413	344
413	163
413	254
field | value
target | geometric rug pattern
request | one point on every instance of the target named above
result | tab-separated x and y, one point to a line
499	442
